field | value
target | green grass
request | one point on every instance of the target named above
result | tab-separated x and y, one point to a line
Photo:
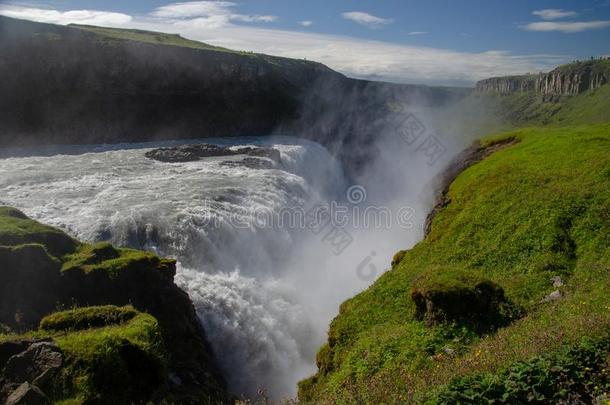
104	257
87	318
530	109
151	37
119	362
17	229
529	212
112	364
569	375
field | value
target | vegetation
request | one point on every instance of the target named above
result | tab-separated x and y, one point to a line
150	37
114	352
529	213
87	318
579	374
105	258
111	355
527	108
16	229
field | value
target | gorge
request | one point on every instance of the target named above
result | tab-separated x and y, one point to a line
309	237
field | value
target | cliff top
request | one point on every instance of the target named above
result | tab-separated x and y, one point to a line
594	66
151	37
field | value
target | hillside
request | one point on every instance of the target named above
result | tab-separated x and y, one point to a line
105	352
506	297
505	300
83	84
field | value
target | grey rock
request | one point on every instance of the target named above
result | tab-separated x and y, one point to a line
27	394
557	282
192	153
37	364
251	163
554	296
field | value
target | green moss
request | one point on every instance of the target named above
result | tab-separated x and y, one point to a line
531	211
105	258
122	361
87	317
18	229
113	364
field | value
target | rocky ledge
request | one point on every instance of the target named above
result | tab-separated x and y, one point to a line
193	153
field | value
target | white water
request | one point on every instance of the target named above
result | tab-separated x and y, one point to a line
264	295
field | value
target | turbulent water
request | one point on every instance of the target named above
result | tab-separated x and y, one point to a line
265	294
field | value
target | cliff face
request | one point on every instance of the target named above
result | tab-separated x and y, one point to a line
77	85
566	80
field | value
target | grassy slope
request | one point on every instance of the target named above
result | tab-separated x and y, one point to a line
151	37
528	109
535	210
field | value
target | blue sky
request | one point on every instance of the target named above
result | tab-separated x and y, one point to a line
433	41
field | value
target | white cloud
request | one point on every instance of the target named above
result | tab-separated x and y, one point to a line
554	13
91	17
306	23
567	27
417	33
209	14
366	19
374	59
351	56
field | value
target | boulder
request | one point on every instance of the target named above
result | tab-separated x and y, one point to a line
454	296
37	364
250	163
193	153
27	394
10	348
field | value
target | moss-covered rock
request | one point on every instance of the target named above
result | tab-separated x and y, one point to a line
87	318
17	229
114	364
43	268
445	296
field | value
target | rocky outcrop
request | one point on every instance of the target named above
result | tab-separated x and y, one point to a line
566	80
507	84
191	153
33	282
27	372
479	304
